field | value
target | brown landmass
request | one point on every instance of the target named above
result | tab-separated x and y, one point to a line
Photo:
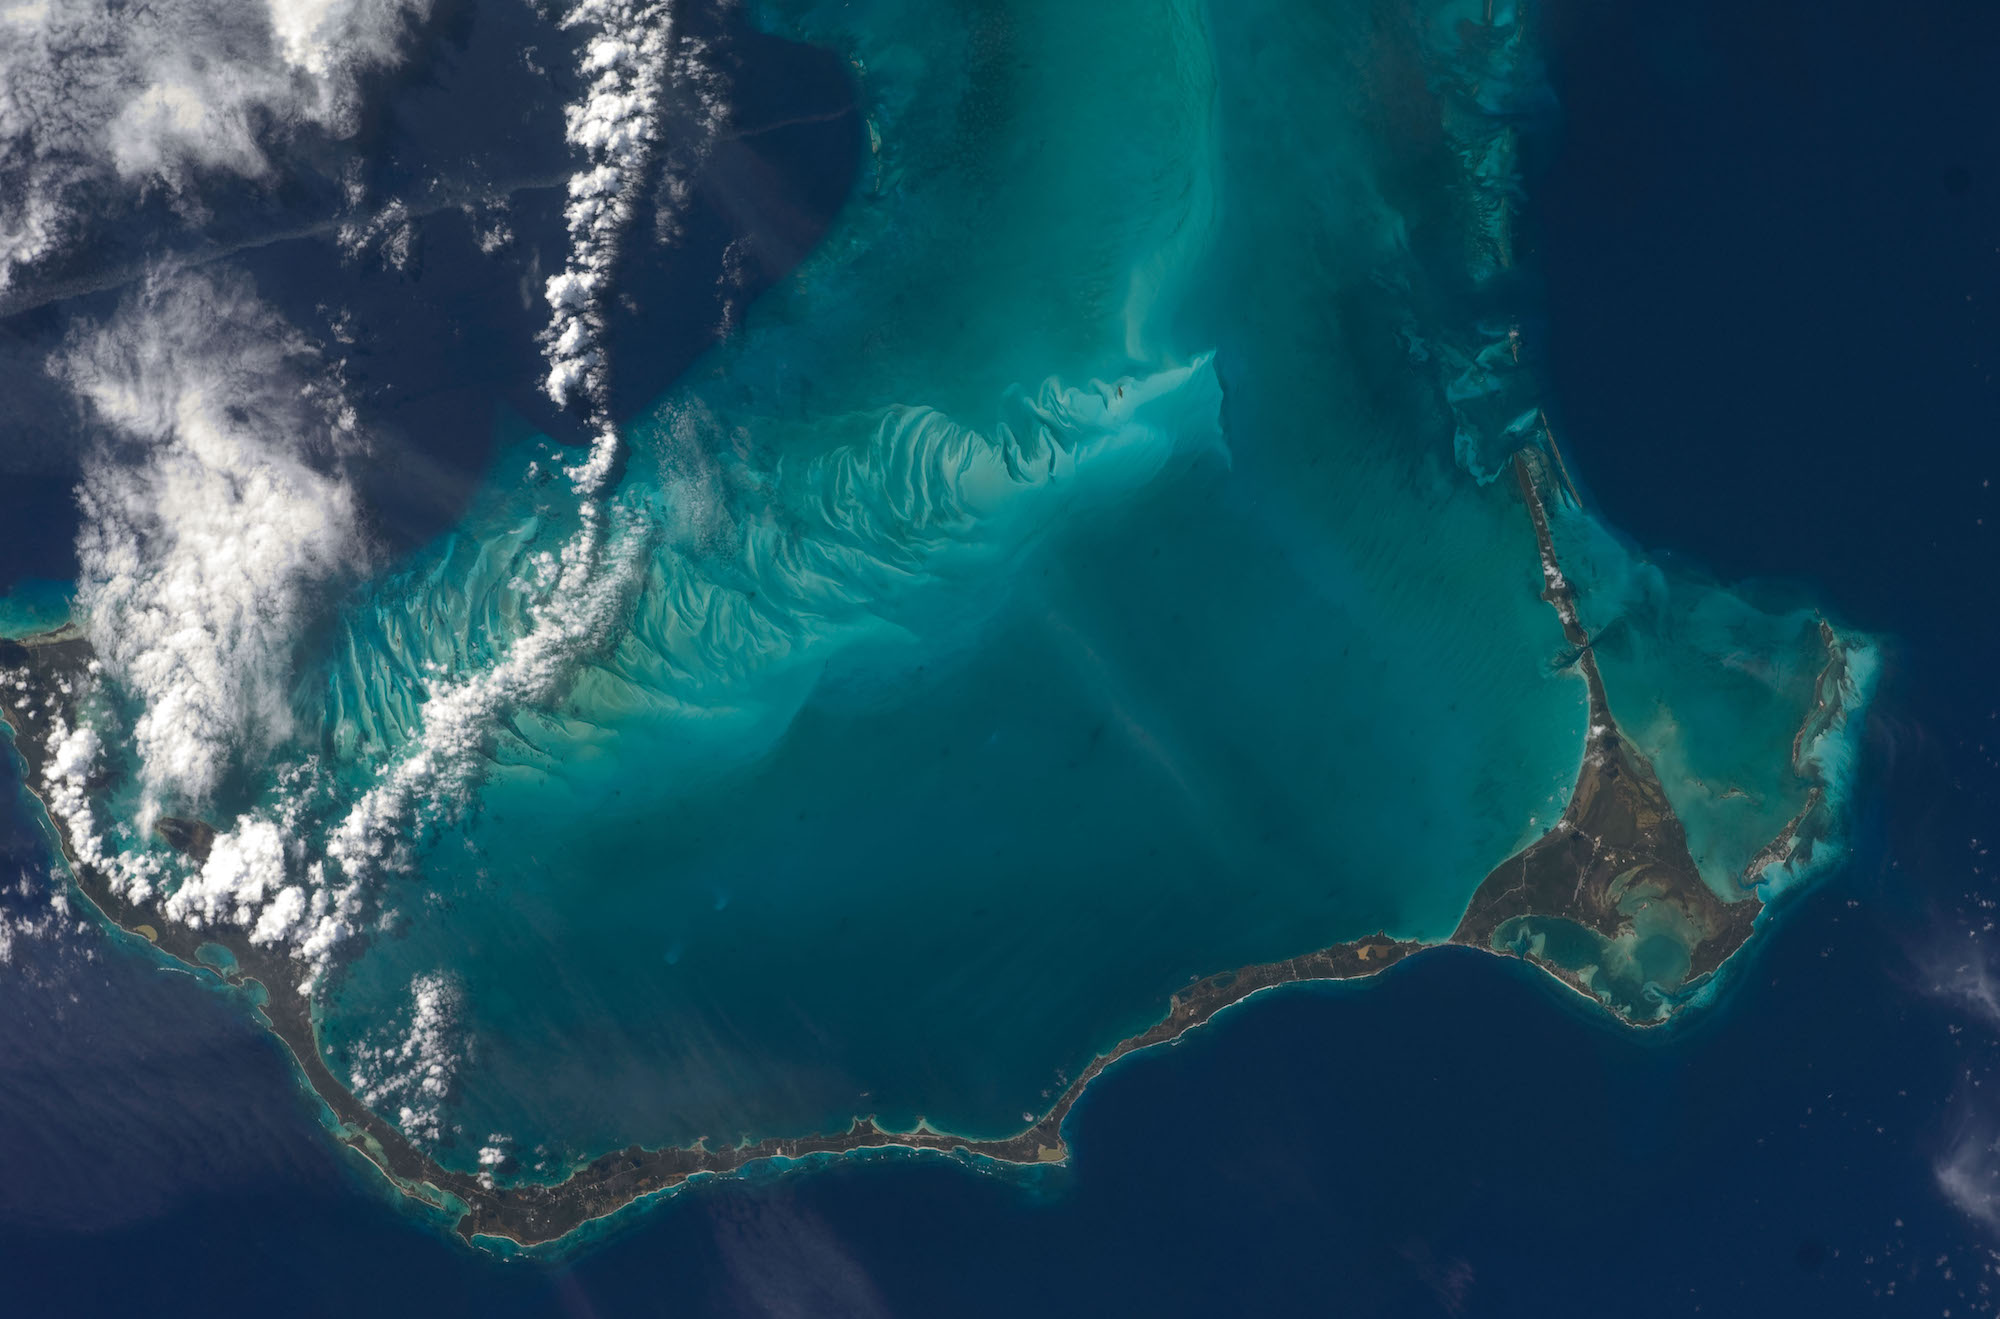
1617	846
1618	842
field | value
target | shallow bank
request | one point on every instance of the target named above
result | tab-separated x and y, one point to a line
1616	865
1067	693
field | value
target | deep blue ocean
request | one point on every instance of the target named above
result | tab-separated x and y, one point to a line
1768	240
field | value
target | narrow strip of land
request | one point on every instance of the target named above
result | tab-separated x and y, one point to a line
1617	844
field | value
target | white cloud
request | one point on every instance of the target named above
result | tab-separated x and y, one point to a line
1968	1174
580	610
390	230
491	1155
216	518
616	127
245	867
414	1070
211	522
97	94
1971	984
35	908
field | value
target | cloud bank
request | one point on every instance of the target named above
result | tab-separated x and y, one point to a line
415	1069
214	517
217	521
613	127
97	96
631	61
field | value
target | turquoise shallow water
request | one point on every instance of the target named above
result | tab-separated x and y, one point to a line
908	803
34	605
1711	686
1829	1202
1085	573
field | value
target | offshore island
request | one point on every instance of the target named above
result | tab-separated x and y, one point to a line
1613	876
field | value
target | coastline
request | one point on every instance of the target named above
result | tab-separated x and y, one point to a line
1618	848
